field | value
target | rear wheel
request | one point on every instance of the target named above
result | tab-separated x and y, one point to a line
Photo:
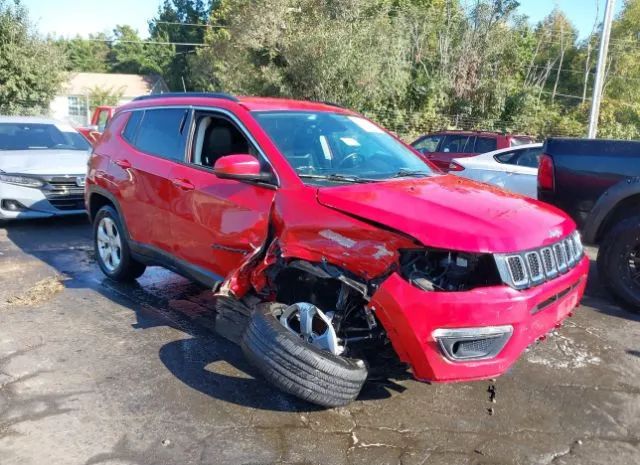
295	348
619	262
112	249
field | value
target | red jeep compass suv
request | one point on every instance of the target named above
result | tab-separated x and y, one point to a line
327	241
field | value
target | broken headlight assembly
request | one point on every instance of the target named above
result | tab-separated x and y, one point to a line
447	270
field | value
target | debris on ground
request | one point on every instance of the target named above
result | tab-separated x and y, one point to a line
41	291
492	393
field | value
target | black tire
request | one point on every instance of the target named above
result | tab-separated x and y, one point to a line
129	269
613	262
296	367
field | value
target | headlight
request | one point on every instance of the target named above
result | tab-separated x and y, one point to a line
443	270
577	240
20	180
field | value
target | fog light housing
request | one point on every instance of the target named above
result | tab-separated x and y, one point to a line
463	344
12	205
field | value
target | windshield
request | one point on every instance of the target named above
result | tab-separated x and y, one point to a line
40	136
328	148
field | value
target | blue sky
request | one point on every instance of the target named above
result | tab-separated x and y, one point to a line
71	17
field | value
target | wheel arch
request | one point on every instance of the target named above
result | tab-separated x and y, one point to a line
618	202
626	207
98	198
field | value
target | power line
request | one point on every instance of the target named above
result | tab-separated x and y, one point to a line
177	23
150	42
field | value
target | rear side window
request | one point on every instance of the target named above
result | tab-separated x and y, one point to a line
507	157
486	144
162	133
457	144
522	157
131	128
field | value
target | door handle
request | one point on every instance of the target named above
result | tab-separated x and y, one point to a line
183	184
124	164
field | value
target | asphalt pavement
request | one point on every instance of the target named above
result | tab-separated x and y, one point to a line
93	372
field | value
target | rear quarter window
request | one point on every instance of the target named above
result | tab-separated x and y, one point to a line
131	128
486	144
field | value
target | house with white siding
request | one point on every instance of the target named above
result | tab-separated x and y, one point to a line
72	104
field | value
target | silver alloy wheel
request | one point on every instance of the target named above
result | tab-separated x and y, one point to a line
310	324
109	244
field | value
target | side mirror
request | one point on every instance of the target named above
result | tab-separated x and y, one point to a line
240	167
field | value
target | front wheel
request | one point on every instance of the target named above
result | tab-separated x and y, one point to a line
297	366
619	262
112	249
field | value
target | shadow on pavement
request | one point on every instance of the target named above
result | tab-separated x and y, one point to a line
598	298
204	361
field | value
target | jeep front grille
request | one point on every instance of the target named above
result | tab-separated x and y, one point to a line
527	269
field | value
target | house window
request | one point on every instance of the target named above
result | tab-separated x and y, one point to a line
77	108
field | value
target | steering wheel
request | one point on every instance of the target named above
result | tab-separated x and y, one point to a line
352	157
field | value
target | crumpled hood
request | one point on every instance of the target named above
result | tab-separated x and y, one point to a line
56	162
453	213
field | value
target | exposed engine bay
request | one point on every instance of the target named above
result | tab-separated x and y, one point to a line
442	270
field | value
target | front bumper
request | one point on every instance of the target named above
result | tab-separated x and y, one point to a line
37	203
410	316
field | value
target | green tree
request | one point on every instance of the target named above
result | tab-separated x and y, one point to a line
104	96
31	69
130	54
87	55
180	21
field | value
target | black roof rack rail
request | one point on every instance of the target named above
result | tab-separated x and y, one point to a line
219	95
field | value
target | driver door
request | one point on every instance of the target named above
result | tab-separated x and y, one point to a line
216	223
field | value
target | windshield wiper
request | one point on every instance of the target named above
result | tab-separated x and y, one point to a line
411	174
337	177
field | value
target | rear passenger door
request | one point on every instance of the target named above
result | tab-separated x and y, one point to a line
157	140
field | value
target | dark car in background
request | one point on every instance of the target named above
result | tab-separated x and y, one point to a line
597	182
442	147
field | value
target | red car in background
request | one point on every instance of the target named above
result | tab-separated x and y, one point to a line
442	147
328	242
101	116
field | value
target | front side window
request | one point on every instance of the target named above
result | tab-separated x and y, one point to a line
40	136
329	147
217	137
162	132
428	144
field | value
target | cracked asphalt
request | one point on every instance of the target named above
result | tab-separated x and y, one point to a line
92	372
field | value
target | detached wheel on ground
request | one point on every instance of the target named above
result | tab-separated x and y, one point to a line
619	262
112	249
296	366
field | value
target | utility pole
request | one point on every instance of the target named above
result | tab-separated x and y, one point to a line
602	62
